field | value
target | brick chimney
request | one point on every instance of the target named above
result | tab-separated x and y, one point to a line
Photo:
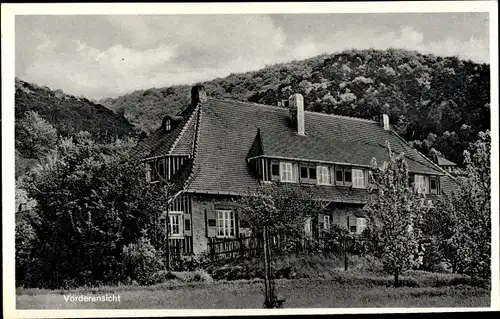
385	122
198	94
296	104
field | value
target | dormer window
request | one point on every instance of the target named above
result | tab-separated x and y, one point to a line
343	176
168	125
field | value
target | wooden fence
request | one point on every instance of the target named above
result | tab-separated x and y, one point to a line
252	246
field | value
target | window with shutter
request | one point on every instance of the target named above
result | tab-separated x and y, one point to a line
358	178
287	172
225	223
323	173
175	224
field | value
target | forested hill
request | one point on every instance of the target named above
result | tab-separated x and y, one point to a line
438	102
42	115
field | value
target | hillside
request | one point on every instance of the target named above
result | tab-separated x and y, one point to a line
439	103
52	113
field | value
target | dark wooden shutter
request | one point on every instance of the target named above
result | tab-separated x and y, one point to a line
211	217
187	225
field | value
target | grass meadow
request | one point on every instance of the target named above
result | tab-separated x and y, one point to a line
337	290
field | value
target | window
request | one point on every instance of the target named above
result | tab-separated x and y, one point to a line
326	222
357	225
339	176
225	223
358	178
312	173
307	173
434	184
304	172
174	224
168	125
275	169
421	183
343	176
287	172
361	224
323	175
347	175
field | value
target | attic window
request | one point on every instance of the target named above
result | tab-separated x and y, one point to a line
168	125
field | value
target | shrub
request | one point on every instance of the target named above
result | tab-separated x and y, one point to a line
142	262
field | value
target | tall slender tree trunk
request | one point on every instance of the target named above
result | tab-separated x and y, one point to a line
266	272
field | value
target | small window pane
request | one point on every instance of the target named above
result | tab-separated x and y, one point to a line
275	170
433	183
303	172
339	177
312	172
348	176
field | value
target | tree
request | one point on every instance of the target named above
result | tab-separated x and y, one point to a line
275	209
34	135
394	212
466	239
91	201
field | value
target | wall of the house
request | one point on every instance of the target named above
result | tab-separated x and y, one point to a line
203	206
340	213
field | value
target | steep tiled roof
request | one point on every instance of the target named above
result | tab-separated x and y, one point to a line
444	162
185	141
228	134
221	134
159	143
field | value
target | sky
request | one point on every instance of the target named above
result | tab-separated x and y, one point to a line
110	55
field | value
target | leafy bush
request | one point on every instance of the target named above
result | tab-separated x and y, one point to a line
143	262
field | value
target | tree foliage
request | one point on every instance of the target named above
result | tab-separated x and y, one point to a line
394	213
43	114
91	202
280	207
461	223
34	135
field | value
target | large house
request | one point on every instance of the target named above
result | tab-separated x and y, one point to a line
217	149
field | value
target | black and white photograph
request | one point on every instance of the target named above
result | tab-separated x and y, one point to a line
307	157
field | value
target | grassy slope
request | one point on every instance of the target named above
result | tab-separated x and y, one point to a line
299	293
